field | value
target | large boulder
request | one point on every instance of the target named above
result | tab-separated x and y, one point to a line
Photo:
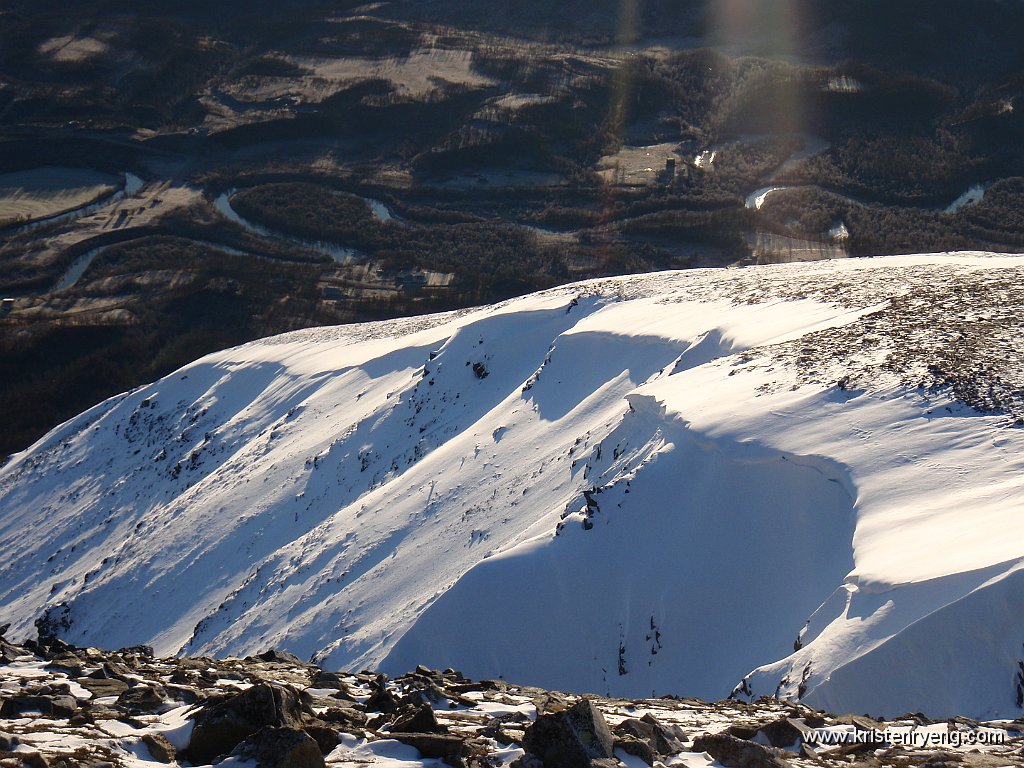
56	707
786	732
8	652
446	746
570	739
67	663
346	718
281	657
103	687
281	748
737	753
223	726
159	747
325	736
421	720
145	699
662	739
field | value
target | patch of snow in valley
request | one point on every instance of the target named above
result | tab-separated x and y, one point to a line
839	232
705	159
756	198
973	195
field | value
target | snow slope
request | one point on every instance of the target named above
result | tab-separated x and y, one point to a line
769	479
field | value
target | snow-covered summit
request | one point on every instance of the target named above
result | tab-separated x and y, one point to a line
804	480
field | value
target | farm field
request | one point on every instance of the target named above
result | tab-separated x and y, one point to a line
42	192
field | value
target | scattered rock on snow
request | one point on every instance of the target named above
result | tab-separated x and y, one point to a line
334	680
568	731
382	699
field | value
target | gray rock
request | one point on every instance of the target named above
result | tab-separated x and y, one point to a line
281	657
100	687
223	726
143	651
785	732
662	739
860	722
185	693
48	706
160	748
149	699
67	663
742	730
809	752
570	739
326	737
421	720
8	652
281	748
548	702
346	718
943	760
33	760
737	753
333	680
442	745
115	670
94	712
631	745
382	700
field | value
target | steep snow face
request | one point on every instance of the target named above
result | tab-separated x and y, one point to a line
672	574
801	480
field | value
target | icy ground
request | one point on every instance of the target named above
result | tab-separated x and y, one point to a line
801	480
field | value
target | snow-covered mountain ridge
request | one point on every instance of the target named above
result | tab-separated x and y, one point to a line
635	486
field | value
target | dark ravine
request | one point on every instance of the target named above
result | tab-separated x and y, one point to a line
68	707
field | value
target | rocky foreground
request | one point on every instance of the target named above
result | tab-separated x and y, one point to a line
66	707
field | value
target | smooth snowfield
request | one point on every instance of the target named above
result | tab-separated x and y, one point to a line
634	486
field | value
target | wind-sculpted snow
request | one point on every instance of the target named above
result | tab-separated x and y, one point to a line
800	480
663	578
